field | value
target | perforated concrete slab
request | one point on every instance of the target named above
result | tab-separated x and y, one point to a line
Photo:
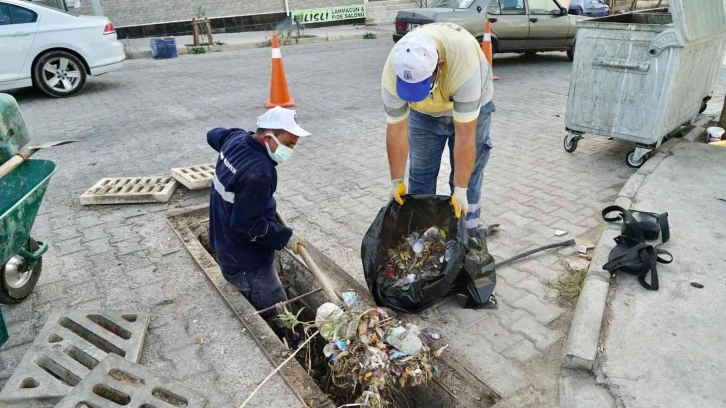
195	177
69	346
119	382
127	190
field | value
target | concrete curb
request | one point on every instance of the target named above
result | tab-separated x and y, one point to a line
184	50
584	337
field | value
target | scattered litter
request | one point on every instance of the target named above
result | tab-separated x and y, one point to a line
601	348
697	285
590	246
201	340
434	336
559	233
351	300
242	330
627	303
420	255
582	249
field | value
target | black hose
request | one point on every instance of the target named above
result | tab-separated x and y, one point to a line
534	251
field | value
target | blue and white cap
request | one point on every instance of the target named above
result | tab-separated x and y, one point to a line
282	118
414	60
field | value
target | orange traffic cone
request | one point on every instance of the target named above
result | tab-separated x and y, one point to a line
279	95
486	46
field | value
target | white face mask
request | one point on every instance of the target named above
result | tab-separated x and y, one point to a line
281	154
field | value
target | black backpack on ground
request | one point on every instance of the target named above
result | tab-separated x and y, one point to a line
632	254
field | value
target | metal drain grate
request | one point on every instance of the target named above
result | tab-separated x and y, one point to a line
195	177
69	346
117	381
126	190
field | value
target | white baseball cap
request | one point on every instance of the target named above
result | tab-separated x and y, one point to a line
281	118
415	57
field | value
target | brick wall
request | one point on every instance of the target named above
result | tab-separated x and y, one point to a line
139	12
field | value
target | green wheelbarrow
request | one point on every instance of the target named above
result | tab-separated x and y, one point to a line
22	186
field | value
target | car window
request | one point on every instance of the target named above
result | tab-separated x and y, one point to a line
507	7
4	14
452	4
543	7
20	15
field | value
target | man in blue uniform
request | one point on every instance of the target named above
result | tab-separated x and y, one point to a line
243	228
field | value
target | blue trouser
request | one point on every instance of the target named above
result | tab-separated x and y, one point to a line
262	287
428	136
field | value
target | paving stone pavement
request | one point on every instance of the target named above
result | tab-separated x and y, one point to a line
153	116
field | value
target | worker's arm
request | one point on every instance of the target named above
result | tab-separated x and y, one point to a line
397	148
464	152
396	133
251	202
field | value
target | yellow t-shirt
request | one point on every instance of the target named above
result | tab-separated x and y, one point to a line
464	82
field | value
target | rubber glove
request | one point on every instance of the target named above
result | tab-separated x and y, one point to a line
398	189
295	244
460	201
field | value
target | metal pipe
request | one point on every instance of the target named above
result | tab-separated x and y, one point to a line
534	251
287	8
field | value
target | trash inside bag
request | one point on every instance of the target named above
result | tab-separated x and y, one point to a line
416	253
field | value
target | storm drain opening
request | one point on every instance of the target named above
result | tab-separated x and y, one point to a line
448	388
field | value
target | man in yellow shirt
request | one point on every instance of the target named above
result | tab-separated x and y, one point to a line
437	90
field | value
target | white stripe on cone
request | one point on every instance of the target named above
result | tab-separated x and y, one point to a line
276	53
487	36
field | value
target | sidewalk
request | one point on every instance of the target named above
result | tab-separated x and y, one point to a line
140	48
665	348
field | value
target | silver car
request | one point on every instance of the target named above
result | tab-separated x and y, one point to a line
522	26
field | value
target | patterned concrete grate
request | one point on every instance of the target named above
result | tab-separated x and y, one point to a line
195	177
127	190
69	346
119	382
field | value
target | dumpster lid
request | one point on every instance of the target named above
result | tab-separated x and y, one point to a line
699	19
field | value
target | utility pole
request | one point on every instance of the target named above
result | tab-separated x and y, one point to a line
97	9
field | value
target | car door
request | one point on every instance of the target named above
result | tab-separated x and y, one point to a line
510	24
548	26
18	27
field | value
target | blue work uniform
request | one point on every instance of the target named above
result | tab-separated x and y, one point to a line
243	229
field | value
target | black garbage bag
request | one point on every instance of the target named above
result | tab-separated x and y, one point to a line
468	268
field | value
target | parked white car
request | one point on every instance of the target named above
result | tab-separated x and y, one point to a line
52	50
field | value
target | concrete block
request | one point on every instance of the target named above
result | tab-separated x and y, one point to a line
545	313
542	337
127	190
117	381
68	347
580	391
584	337
522	352
195	177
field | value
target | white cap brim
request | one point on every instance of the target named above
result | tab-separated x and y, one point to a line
297	131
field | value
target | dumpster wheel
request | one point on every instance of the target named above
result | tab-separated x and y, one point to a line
18	278
570	142
632	161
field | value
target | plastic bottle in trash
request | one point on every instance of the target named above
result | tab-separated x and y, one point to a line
431	233
418	246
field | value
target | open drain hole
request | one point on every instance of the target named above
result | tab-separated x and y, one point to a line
91	337
29	383
126	378
54	338
169	397
85	404
317	366
111	394
59	372
110	326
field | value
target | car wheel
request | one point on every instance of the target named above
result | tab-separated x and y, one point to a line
59	74
18	278
571	53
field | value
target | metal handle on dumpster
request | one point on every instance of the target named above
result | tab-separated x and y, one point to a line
317	273
622	64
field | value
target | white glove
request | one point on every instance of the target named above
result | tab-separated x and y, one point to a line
460	201
398	189
295	244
